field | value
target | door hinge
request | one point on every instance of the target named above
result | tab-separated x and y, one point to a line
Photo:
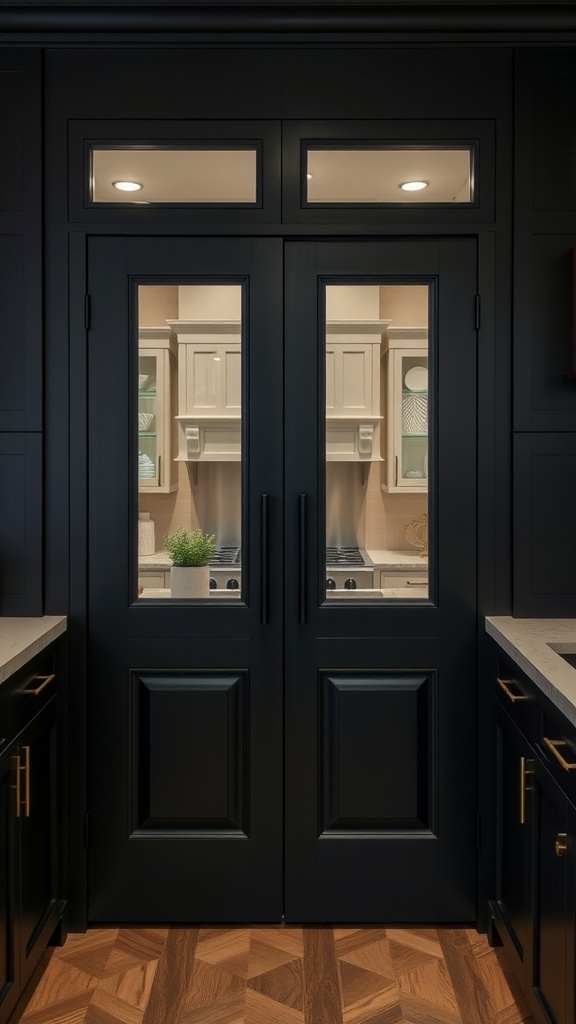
478	830
86	830
87	312
477	312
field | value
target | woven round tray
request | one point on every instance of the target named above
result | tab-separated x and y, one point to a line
416	533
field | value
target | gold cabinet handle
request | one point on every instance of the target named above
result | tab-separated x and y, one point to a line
16	768
526	769
26	770
505	685
44	682
561	844
568	766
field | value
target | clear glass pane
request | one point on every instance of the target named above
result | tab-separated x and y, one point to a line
143	176
389	175
377	431
189	450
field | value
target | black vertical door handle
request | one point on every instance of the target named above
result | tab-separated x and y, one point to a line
302	546
265	558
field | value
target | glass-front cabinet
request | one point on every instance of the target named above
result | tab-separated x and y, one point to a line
156	394
405	371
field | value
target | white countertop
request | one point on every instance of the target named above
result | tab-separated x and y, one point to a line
406	592
535	645
404	559
22	638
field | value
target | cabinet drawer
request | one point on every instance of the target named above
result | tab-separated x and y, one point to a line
390	580
155	580
25	693
520	697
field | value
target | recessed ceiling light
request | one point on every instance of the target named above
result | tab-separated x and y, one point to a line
127	186
413	186
309	175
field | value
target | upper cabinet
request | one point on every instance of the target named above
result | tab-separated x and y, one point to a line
156	408
405	376
209	390
353	393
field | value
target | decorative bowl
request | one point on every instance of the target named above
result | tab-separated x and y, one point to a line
145	420
142	378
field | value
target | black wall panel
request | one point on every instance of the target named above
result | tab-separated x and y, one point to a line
20	241
20	524
545	509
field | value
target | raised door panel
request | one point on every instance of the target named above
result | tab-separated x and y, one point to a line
8	965
514	830
39	886
553	862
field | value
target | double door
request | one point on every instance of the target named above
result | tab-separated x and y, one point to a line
278	749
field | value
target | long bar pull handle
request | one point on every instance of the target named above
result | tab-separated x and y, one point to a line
44	682
303	544
568	766
265	558
526	769
26	770
506	685
16	768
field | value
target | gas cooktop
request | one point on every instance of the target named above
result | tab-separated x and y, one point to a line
344	556
226	556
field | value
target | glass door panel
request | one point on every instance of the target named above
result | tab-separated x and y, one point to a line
189	431
377	440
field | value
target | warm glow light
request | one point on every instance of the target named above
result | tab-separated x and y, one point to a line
309	175
127	186
413	186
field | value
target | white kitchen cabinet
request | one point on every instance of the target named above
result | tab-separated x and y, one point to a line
156	403
405	430
209	390
409	578
353	392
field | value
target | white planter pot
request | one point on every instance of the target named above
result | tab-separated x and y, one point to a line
190	581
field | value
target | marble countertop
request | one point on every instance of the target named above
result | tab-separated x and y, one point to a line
22	638
536	645
405	592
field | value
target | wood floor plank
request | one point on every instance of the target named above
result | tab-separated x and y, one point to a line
469	986
173	978
275	975
322	1004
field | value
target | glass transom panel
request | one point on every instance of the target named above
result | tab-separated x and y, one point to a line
180	175
373	175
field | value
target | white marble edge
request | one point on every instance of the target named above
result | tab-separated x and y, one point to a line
22	638
535	645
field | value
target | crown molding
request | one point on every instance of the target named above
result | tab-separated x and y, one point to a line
296	17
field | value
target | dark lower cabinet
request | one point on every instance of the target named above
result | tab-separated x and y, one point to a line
534	912
30	904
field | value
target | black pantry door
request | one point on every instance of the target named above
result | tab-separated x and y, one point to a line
280	752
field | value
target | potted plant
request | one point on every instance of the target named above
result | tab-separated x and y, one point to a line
190	551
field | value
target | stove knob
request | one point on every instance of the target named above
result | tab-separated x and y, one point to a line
330	584
213	584
232	584
350	584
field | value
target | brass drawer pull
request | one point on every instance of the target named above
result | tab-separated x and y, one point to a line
26	770
526	769
505	685
561	844
44	682
16	768
568	766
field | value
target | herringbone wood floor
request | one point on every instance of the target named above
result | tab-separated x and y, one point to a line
274	975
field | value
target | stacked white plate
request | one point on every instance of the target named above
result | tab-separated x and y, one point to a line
146	467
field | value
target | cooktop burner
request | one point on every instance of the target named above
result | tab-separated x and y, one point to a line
344	556
226	556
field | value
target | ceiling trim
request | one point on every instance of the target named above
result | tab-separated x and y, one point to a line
295	17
